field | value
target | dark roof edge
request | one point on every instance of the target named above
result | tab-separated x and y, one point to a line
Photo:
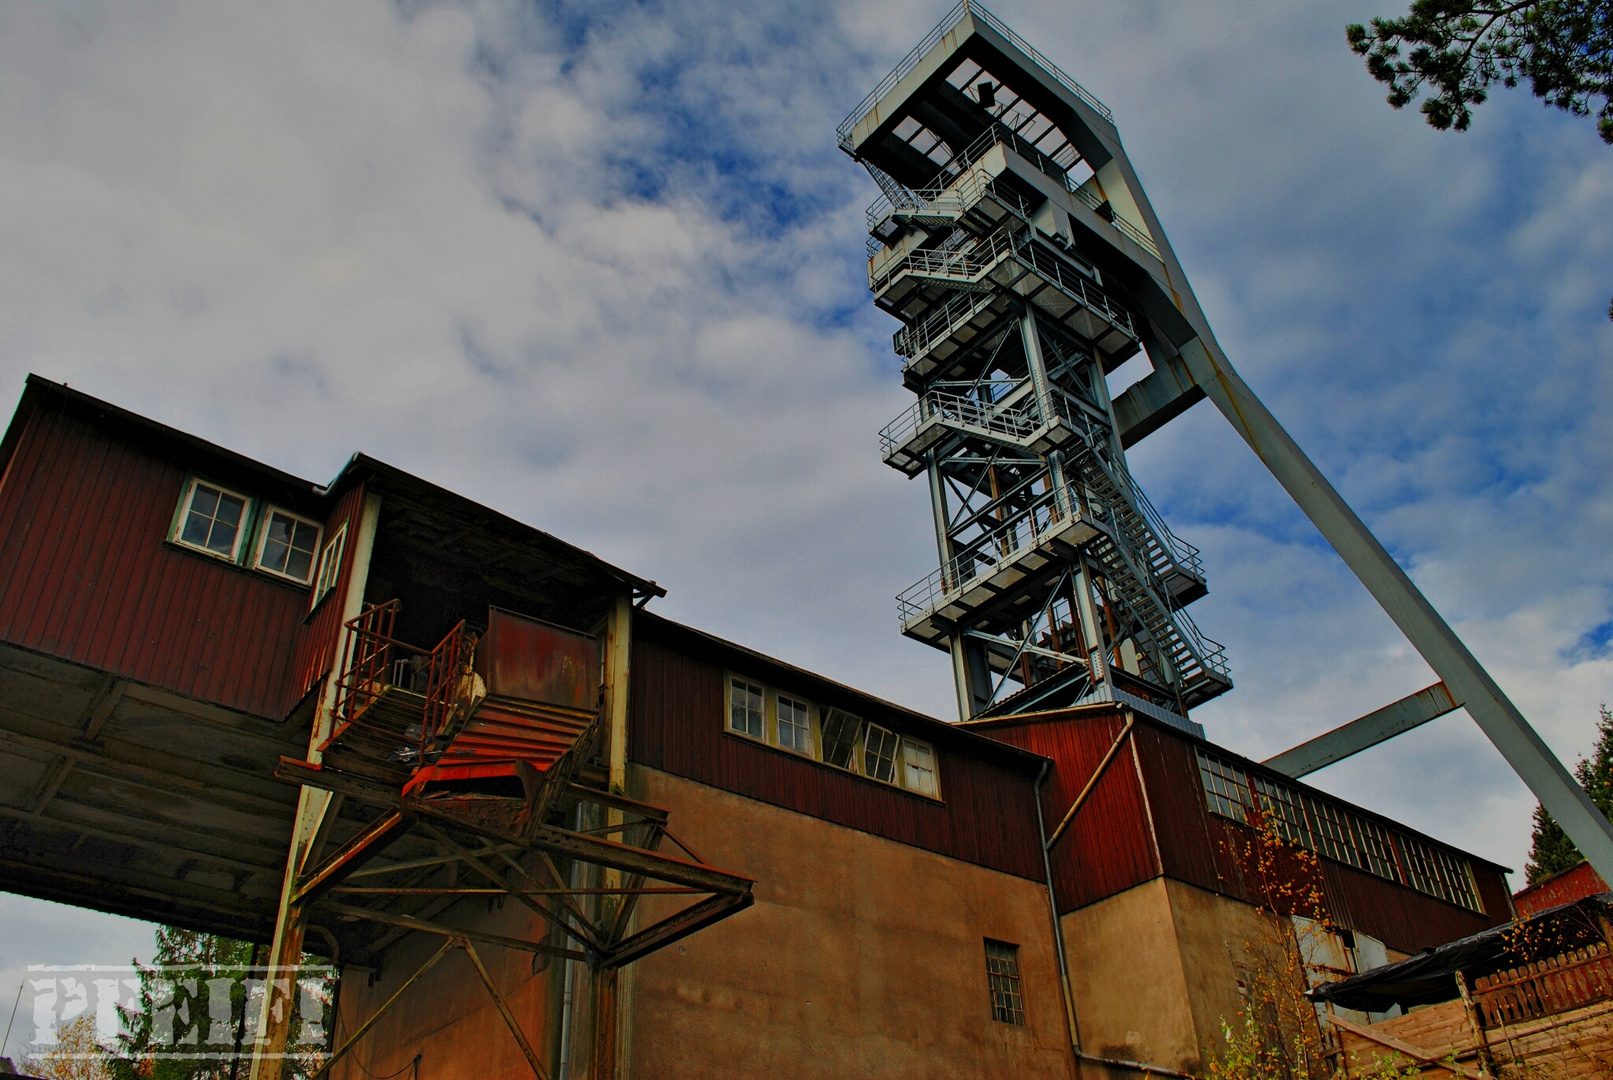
1030	760
36	387
360	464
1243	762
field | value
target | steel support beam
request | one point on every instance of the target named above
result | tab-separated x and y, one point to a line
316	808
1393	719
1404	603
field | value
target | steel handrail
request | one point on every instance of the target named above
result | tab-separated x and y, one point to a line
972	263
961	166
1016	420
986	554
933	38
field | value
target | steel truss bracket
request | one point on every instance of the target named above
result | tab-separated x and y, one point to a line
502	857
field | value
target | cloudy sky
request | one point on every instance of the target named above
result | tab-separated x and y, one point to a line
600	266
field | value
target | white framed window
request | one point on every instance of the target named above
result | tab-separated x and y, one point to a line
287	545
330	564
841	732
213	519
879	754
1002	980
794	724
745	708
918	767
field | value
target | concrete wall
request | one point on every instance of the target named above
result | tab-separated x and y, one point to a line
861	957
1153	971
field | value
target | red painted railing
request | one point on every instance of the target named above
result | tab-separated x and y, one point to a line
448	685
366	655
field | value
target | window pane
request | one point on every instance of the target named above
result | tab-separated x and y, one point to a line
196	529
277	543
879	754
298	563
840	731
199	516
918	766
1002	979
304	538
745	708
794	725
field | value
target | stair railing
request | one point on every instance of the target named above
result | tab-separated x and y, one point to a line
449	686
366	652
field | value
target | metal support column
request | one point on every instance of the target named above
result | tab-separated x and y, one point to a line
316	810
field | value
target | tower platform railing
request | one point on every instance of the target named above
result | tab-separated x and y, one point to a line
1020	532
932	39
959	187
968	269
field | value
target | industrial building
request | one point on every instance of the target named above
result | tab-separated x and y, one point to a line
872	894
541	829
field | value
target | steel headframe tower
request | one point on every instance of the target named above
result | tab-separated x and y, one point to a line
1018	249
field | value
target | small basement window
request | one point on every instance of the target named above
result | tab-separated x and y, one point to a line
1002	979
330	564
288	546
879	754
794	725
212	519
745	708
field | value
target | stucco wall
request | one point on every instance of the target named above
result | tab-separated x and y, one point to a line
1154	969
861	957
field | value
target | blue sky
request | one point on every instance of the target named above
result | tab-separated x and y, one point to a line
600	266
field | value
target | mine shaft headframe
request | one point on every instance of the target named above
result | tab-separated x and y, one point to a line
973	73
1189	365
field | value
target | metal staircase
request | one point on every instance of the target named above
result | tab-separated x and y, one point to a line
1132	557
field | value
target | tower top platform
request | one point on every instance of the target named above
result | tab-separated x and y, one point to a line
970	35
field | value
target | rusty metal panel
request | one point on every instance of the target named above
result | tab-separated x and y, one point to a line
531	660
84	515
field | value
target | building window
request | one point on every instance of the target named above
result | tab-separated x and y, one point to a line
212	519
794	725
918	768
1225	787
1280	807
1376	846
1332	834
288	545
1002	978
879	754
840	731
745	708
330	564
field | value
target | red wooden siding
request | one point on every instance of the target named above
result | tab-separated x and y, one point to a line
89	578
1202	849
318	639
676	725
1107	849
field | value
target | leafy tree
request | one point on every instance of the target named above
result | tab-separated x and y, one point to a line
1456	49
1552	852
77	1056
176	1012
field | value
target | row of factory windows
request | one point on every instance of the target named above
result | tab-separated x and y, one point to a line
832	736
214	520
1330	830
